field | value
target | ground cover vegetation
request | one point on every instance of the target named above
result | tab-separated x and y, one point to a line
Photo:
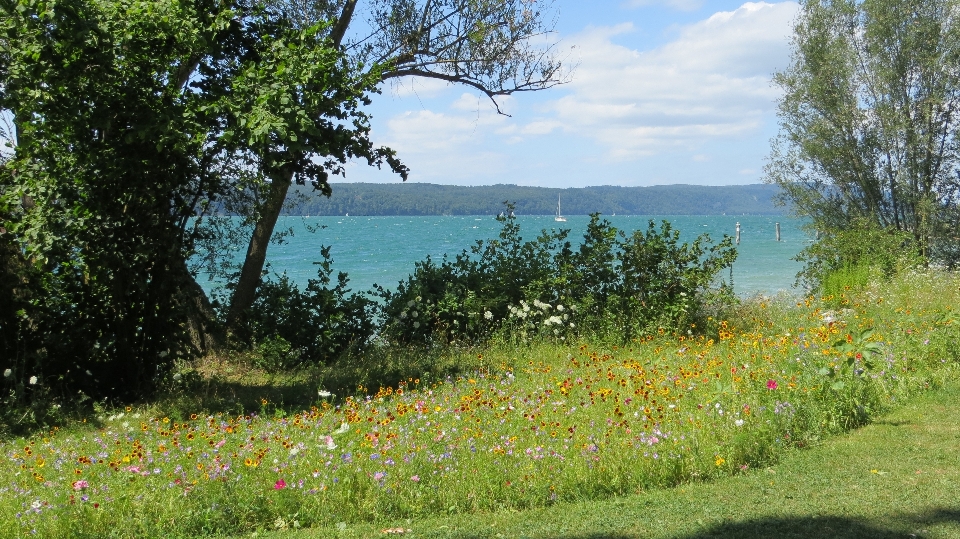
891	479
520	426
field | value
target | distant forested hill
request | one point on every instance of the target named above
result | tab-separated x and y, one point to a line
431	199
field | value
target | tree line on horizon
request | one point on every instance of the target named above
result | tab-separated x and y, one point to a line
433	199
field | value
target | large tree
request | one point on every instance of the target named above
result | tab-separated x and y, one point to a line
131	116
869	118
485	44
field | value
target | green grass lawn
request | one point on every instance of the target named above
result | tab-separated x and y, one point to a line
897	477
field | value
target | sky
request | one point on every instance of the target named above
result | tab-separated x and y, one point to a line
661	92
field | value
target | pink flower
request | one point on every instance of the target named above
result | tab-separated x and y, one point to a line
771	384
415	479
280	484
80	485
379	476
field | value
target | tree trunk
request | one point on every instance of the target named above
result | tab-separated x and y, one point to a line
245	292
206	334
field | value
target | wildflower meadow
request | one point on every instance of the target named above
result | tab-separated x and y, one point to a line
530	426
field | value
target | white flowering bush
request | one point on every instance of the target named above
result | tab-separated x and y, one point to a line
615	287
539	320
466	299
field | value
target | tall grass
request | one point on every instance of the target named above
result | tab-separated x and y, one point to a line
517	427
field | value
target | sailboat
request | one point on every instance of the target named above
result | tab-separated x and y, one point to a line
559	218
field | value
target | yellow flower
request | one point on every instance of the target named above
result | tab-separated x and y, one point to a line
719	461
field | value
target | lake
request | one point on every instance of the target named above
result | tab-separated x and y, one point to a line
383	250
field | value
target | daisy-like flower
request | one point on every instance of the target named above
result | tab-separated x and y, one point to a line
771	384
280	484
80	485
329	443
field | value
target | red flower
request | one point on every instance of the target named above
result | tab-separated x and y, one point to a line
771	384
280	485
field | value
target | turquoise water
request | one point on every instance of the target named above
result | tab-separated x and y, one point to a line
383	250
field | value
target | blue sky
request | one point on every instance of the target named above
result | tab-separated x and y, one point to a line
664	92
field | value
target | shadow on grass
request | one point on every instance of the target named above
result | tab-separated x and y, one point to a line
234	387
819	527
834	527
829	526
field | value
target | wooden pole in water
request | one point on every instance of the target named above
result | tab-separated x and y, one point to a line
738	233
778	231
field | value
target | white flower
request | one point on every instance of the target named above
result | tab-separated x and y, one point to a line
572	325
294	451
35	504
323	393
33	380
738	422
560	307
416	325
403	315
414	314
7	373
411	303
488	315
343	429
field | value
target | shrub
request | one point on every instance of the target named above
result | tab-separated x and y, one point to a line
317	325
616	286
845	258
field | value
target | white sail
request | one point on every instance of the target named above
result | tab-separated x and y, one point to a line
559	218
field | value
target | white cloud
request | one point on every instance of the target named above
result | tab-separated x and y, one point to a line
703	95
447	147
710	83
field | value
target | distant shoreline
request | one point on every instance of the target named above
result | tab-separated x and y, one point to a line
422	199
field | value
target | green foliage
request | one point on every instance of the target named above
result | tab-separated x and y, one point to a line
847	259
132	119
663	282
316	325
92	194
465	299
869	118
614	285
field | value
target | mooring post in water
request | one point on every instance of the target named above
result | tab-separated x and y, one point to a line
738	233
778	231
